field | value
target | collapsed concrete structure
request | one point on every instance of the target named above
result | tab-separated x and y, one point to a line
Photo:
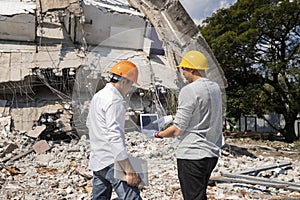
54	56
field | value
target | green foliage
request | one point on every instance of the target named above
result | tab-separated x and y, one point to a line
297	145
257	43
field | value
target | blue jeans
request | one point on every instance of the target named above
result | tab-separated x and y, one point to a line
104	182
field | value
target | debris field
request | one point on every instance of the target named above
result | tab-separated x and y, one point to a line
33	168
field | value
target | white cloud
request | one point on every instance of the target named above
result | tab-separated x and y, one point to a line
200	9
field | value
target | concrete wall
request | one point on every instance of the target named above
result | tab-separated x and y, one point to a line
113	29
260	125
54	4
19	27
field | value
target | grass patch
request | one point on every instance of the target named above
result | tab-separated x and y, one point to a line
297	145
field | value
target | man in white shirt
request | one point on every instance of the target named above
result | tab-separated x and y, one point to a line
106	120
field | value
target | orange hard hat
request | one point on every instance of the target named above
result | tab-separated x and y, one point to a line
125	69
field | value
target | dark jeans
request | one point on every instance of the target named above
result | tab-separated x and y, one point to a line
193	177
104	182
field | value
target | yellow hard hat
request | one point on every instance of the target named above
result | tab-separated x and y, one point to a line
126	69
194	60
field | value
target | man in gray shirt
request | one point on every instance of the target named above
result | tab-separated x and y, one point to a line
198	125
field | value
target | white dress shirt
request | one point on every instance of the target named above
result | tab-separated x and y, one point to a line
106	121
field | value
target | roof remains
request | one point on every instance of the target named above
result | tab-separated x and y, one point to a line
179	33
48	5
173	25
14	7
115	6
15	66
156	67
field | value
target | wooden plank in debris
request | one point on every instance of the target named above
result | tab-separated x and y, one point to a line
262	168
83	173
9	149
265	147
35	133
40	147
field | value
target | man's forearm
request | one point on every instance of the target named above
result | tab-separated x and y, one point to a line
126	166
172	131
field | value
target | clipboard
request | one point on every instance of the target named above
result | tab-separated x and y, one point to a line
139	165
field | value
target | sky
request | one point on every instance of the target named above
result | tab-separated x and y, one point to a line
200	9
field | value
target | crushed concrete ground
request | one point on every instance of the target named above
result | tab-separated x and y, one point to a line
62	172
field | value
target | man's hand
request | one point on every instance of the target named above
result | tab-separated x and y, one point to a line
165	120
149	133
133	179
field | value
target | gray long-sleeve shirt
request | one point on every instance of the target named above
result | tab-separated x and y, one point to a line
199	115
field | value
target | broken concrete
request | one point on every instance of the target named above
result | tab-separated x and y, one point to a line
62	171
48	5
26	117
77	42
17	20
75	47
179	34
39	147
35	133
9	148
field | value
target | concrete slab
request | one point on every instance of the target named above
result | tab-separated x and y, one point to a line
35	133
41	146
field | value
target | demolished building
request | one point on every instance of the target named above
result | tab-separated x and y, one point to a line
54	56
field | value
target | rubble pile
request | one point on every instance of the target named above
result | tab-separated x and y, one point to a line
61	172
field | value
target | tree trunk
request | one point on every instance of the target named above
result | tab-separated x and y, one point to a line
289	129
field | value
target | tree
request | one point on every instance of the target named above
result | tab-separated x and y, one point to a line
257	45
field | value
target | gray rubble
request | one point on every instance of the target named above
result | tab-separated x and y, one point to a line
62	172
